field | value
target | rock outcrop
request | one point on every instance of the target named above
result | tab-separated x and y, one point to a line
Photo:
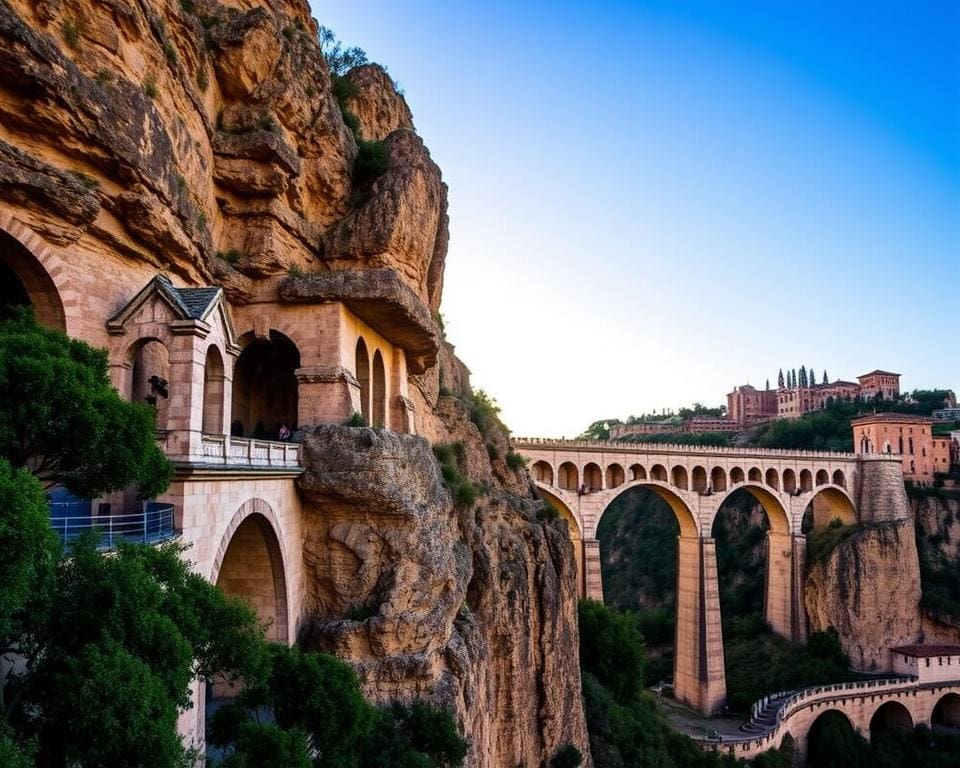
868	589
204	139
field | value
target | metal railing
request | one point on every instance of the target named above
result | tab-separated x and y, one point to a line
152	525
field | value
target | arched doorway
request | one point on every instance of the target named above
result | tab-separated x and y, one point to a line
615	476
718	479
213	386
265	387
891	717
699	479
592	477
25	282
252	569
362	366
379	392
568	477
679	477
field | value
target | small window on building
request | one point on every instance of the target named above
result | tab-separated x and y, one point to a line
928	662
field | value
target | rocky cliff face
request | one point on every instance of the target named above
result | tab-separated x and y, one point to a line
204	138
868	589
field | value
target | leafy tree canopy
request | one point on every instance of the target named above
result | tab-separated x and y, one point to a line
61	419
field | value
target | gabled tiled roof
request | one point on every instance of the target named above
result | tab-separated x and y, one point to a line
904	418
877	372
927	651
188	303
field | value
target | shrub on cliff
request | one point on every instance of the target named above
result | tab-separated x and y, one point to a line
62	420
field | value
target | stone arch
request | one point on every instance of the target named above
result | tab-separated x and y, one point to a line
772	478
946	711
698	479
265	391
678	477
250	564
828	504
542	472
777	517
658	473
362	371
614	476
148	380
24	279
637	472
823	720
736	476
755	475
568	476
806	480
593	477
891	716
718	479
213	390
822	477
379	392
789	481
689	527
839	478
573	522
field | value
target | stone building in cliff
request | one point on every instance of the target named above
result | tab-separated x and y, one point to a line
179	186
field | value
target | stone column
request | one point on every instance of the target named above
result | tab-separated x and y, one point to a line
713	683
798	609
778	592
326	394
686	652
593	583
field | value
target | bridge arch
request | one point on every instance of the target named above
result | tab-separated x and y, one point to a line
777	517
568	476
698	479
678	476
593	477
614	476
946	711
891	716
827	504
542	472
689	526
772	478
718	480
574	522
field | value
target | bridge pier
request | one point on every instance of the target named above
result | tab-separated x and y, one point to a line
698	670
592	578
778	592
798	610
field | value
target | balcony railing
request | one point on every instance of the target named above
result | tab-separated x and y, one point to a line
238	451
152	525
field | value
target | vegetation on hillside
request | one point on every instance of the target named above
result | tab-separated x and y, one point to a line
625	726
106	646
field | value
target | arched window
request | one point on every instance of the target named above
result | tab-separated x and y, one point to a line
755	476
362	366
839	479
150	374
699	479
213	392
679	477
614	476
822	477
543	473
772	478
637	472
789	481
736	475
593	477
659	473
806	480
265	387
568	476
379	391
718	479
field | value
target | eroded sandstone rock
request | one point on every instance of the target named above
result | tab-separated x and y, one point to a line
379	107
868	589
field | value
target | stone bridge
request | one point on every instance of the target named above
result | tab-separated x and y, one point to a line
898	704
582	478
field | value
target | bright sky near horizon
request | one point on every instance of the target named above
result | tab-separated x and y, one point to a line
651	202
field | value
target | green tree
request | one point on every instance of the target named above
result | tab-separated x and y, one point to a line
780	383
62	421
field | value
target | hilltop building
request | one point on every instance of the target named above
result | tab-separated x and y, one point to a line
924	454
796	396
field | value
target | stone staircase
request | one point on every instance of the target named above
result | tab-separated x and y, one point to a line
764	717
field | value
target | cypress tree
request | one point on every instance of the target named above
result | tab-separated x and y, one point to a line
780	379
825	379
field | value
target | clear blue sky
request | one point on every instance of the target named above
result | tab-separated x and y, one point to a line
651	202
